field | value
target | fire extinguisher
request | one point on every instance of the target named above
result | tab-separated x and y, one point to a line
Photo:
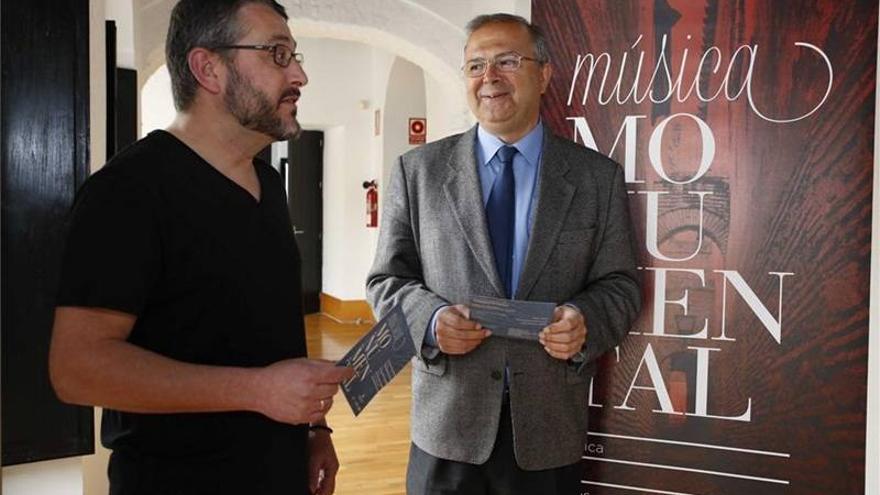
372	203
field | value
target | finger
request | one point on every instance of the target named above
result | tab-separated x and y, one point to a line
569	347
322	391
457	347
319	405
451	346
328	484
463	310
316	407
452	349
557	354
456	320
314	477
334	374
457	350
328	481
560	337
573	339
462	314
562	325
316	416
325	404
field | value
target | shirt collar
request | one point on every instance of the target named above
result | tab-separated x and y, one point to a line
529	146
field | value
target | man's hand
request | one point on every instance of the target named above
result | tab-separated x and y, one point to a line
298	391
323	463
456	334
564	337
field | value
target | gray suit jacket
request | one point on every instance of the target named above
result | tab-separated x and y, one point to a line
434	249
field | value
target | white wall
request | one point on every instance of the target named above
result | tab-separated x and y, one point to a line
405	99
341	96
336	281
156	102
61	477
121	11
459	12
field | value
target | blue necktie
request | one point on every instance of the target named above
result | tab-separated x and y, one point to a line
500	214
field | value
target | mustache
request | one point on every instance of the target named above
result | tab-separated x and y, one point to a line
293	92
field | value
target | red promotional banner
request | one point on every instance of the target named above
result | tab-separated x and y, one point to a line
745	129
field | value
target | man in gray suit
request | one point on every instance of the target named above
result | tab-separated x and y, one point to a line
508	210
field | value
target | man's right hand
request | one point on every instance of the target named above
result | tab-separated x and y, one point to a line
456	333
298	391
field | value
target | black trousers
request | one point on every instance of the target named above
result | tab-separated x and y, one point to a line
248	474
429	475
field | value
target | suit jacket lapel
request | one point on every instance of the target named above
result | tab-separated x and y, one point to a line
555	193
465	199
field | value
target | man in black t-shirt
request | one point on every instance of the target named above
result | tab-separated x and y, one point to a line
180	309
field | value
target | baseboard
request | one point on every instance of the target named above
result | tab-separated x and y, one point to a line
351	311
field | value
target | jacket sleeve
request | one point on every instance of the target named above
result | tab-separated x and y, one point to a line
396	276
611	299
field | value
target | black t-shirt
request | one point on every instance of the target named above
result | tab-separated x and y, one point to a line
213	276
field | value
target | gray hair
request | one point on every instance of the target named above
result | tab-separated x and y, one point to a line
539	41
205	24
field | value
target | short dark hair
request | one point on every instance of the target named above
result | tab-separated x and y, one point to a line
539	40
206	24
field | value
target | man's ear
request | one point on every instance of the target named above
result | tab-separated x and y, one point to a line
207	69
546	74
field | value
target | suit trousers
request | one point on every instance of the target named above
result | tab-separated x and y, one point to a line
500	475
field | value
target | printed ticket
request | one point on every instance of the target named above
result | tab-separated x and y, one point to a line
376	359
512	318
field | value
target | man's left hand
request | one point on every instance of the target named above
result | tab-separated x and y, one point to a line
564	337
323	463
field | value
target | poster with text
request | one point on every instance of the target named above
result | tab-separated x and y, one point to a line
746	132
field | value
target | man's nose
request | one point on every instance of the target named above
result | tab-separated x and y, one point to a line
491	73
297	74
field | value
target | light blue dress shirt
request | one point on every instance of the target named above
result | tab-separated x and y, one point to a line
526	165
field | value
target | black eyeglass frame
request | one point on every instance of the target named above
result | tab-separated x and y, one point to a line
276	51
494	62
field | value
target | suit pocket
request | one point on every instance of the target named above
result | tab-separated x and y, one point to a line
436	366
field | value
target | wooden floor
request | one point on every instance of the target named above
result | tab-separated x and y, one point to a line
372	448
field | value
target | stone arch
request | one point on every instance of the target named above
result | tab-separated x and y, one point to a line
401	27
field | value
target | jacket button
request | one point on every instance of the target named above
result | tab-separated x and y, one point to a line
496	375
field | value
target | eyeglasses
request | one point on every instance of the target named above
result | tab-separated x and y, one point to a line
505	62
281	54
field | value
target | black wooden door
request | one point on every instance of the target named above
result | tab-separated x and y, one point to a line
304	183
44	136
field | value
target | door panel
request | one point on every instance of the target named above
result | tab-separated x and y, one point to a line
45	156
304	184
